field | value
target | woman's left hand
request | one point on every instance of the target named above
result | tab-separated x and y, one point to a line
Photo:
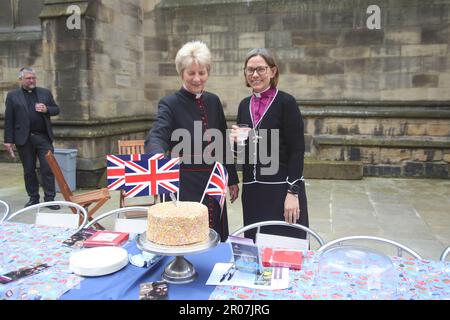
234	192
291	208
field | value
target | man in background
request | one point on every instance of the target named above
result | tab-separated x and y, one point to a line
28	126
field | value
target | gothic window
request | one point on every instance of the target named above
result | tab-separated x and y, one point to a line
20	14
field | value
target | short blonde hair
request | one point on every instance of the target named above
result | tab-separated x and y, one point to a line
193	52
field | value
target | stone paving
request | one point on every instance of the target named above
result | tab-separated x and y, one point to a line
414	212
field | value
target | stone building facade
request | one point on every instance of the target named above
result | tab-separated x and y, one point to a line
374	94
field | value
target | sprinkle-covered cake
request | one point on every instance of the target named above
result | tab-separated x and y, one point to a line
173	225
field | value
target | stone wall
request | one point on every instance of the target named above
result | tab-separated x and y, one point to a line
391	138
98	80
378	96
324	48
338	69
20	43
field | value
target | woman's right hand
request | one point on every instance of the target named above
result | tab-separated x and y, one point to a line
291	208
233	133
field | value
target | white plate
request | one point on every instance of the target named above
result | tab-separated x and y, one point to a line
98	261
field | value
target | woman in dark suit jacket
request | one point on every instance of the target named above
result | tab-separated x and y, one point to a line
277	125
186	118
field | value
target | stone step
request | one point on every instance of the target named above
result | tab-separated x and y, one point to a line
414	142
388	156
340	170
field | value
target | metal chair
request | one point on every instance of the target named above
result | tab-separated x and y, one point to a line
4	210
400	247
445	254
124	224
279	223
56	218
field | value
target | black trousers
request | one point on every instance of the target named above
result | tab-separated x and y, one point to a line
36	147
263	202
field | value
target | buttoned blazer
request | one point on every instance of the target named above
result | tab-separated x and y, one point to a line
284	116
179	111
17	119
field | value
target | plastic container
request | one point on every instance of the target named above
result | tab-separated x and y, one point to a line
67	161
351	272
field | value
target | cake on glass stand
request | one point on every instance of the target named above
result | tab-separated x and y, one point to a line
179	270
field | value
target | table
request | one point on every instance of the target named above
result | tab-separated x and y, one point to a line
417	280
26	244
124	284
23	245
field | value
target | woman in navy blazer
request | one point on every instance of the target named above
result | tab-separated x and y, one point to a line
188	117
275	189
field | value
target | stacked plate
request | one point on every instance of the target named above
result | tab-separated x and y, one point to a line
98	261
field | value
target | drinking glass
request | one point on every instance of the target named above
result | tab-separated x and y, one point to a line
242	134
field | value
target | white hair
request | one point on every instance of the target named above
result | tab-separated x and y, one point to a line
193	52
24	70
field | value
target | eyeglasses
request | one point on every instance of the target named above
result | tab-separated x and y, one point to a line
260	70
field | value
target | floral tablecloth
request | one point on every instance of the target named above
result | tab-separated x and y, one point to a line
23	245
417	280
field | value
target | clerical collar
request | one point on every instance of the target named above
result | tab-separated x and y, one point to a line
191	94
29	90
266	93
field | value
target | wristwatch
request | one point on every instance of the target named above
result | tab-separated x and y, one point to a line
293	189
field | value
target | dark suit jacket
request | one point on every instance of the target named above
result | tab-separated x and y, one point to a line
284	115
179	111
17	120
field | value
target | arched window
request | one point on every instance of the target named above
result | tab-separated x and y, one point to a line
20	15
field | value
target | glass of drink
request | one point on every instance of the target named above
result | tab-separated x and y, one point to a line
242	134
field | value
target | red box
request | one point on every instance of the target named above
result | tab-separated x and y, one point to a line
106	238
291	259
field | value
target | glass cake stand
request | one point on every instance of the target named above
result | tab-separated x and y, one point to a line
179	270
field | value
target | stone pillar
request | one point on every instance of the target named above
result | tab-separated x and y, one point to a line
20	45
97	75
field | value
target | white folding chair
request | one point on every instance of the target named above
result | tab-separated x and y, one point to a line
278	223
4	210
68	216
445	254
123	224
400	247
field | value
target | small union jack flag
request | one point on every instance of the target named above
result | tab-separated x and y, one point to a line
152	176
115	170
217	184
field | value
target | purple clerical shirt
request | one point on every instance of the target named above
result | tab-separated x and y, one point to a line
260	102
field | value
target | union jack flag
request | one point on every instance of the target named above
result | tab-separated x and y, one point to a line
217	184
115	170
152	176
